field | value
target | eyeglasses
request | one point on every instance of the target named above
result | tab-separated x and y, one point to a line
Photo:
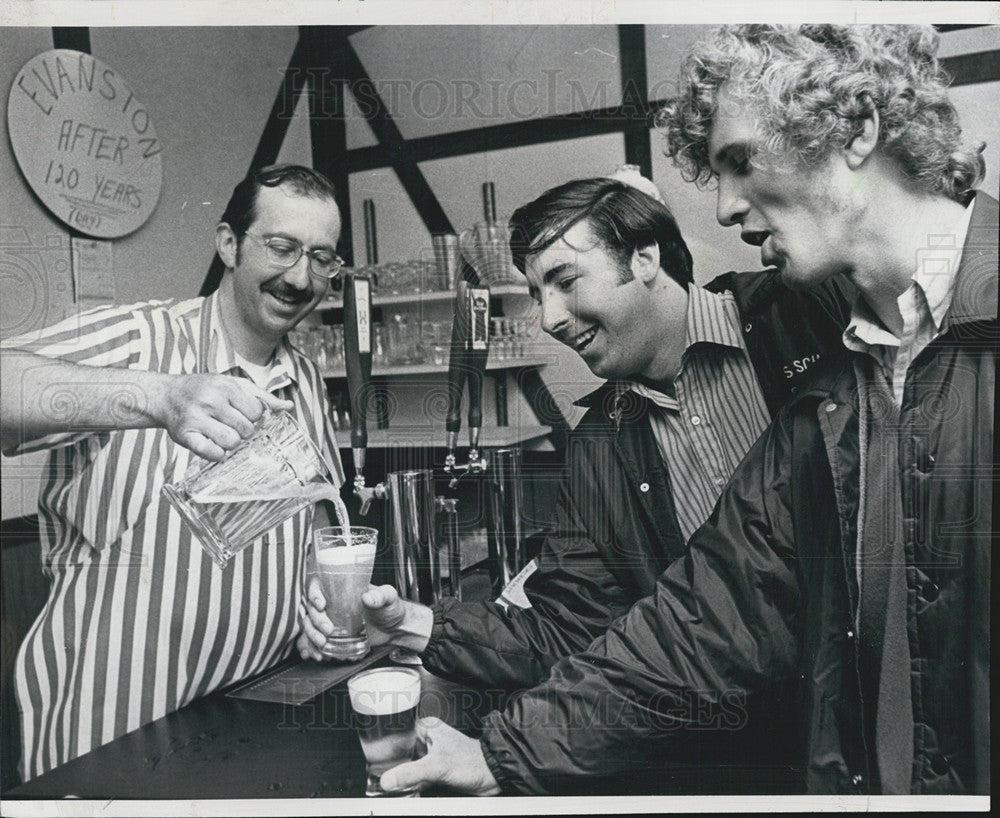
283	252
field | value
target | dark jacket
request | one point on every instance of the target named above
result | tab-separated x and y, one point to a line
616	528
761	610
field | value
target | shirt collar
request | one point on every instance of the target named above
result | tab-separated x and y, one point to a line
934	277
220	357
937	268
712	318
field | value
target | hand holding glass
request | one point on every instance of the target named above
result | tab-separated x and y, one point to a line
385	702
344	568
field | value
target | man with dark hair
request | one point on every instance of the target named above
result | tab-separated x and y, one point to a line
694	376
140	621
846	567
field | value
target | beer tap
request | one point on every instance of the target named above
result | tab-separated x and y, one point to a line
467	363
358	362
410	494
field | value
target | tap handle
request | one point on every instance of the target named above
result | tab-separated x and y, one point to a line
457	363
478	351
358	358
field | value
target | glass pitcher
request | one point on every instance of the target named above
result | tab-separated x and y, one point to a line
270	476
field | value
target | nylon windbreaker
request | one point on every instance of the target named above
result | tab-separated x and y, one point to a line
759	615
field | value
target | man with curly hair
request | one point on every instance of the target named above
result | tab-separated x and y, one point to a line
845	569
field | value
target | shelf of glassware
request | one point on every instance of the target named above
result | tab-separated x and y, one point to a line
492	364
491	437
430	297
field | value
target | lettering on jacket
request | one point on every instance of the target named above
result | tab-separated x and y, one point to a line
800	365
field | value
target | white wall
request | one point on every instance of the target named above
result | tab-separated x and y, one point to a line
209	92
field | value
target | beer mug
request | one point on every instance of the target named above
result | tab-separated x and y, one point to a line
270	476
385	702
344	568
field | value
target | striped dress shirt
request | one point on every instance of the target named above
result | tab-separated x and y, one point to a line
716	413
139	620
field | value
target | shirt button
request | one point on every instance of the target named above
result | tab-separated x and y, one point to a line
720	481
644	487
696	421
850	634
856	779
748	327
830	407
931	591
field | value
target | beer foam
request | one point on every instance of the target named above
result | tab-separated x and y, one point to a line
346	554
384	692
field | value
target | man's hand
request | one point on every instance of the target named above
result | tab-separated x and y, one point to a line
316	625
212	414
452	759
394	621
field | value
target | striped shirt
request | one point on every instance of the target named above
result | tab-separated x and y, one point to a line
139	620
717	412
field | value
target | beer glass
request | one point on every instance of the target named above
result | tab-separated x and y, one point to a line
385	702
344	568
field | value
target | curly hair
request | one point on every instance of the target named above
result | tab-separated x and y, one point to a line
811	89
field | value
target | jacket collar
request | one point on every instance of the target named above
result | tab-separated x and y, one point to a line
607	391
975	297
753	292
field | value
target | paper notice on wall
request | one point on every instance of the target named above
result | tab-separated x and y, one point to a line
93	272
36	280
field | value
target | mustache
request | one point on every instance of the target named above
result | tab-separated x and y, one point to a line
283	290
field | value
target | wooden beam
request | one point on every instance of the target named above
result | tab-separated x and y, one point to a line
74	37
968	69
271	138
326	51
394	149
507	135
635	97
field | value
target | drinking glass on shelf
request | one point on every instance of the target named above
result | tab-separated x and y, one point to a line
404	340
496	339
335	338
385	703
391	278
520	332
320	348
379	355
436	337
410	274
428	275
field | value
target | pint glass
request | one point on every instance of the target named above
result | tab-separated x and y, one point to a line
385	702
344	567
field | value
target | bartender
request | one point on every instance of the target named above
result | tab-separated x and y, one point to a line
138	621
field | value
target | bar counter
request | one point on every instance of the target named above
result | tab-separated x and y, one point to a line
224	747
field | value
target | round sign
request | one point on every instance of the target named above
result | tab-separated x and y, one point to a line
84	142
